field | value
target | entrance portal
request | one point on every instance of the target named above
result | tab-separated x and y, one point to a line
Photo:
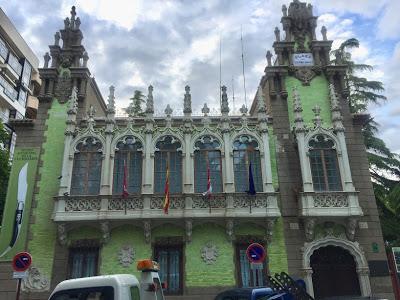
334	273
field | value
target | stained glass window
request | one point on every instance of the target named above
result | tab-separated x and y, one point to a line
324	165
245	151
86	172
168	154
207	153
128	150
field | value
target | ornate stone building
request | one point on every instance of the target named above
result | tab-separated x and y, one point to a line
314	208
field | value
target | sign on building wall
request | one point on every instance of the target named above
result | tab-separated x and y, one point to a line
396	256
303	59
18	202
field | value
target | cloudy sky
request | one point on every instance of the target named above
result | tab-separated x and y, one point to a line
170	44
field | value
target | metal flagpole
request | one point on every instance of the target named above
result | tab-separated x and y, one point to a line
220	69
233	95
244	77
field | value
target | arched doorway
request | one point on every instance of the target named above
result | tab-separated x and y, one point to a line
334	273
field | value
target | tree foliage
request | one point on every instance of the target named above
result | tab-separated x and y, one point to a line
384	164
135	107
4	167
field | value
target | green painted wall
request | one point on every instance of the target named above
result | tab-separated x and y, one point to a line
84	232
272	151
21	157
198	273
121	236
316	93
43	230
277	254
167	230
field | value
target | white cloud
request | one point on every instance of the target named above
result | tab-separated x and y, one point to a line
389	22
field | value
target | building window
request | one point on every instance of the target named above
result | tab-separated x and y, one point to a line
324	164
171	268
83	262
86	172
245	275
168	153
207	154
245	151
26	74
128	151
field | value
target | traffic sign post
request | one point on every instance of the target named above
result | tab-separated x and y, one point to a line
256	255
21	263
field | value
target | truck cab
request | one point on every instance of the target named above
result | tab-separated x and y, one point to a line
113	287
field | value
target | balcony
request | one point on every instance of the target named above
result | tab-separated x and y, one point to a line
141	207
329	204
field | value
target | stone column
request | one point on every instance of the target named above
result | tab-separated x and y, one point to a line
268	187
148	158
229	183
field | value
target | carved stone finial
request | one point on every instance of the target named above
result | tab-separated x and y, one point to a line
284	10
147	231
73	108
168	111
90	117
150	100
317	120
187	101
205	110
46	60
277	34
323	31
188	227
77	23
243	110
335	109
310	9
85	59
224	101
66	23
111	99
73	14
297	108
57	39
269	58
260	100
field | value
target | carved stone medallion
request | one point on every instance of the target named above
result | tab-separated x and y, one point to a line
126	255
305	75
209	253
36	281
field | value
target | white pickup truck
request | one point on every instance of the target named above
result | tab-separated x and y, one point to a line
114	287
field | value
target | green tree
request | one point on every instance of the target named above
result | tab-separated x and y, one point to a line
135	107
4	167
384	164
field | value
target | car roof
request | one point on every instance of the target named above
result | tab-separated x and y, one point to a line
244	292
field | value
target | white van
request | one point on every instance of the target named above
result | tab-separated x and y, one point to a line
113	287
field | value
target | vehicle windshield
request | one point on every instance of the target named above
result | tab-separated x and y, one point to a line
92	293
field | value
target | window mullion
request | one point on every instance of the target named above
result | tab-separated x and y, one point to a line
324	169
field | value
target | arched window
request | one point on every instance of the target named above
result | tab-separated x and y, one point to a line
324	164
128	150
207	153
86	172
168	153
245	151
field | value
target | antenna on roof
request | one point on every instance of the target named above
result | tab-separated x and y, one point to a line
220	69
233	95
244	77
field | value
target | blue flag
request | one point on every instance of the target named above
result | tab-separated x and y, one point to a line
252	189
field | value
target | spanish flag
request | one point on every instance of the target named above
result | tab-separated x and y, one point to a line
166	191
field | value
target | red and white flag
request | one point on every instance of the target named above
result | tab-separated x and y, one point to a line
166	192
125	193
209	186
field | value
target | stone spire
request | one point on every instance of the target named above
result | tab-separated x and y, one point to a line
187	101
150	101
243	110
224	101
111	99
269	58
205	110
317	119
73	106
297	109
260	100
90	117
335	109
85	59
168	111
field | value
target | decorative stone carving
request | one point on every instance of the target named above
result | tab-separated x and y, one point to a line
73	107
224	101
131	203
323	32
168	111
284	10
335	108
57	39
305	75
351	228
111	99
297	108
150	101
85	59
82	204
187	101
243	110
270	230
205	110
243	201
209	253
277	34
260	100
317	119
188	227
147	231
36	281
269	58
330	200
46	60
157	202
126	255
105	231
62	234
229	229
309	225
217	201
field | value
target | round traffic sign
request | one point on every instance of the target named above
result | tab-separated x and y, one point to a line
21	261
256	253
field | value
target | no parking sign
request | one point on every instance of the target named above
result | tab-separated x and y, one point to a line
21	261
